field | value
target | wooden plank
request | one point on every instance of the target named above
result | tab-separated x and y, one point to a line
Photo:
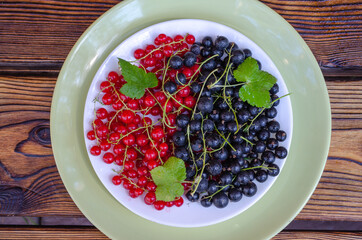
36	189
332	29
92	233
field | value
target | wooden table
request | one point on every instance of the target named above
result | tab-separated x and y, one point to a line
35	38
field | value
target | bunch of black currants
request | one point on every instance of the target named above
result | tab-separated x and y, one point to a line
226	143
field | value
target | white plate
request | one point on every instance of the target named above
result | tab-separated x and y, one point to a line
190	214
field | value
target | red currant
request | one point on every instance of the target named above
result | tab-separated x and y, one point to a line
142	140
149	101
150	198
149	48
163	147
167	51
142	180
132	104
132	154
117	180
142	170
169	204
138	191
151	154
128	140
184	91
152	164
178	202
117	105
95	151
137	119
101	113
155	111
159	205
113	77
106	87
162	38
157	133
132	173
190	101
102	131
147	121
161	97
127	116
91	135
129	165
190	39
119	160
178	38
108	158
114	137
139	53
107	99
127	184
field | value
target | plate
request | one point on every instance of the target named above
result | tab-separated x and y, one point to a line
180	217
290	54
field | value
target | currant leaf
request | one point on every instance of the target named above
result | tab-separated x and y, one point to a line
257	83
168	179
137	79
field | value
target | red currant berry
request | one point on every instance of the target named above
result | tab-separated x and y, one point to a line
151	154
119	160
149	101
142	180
114	137
142	170
129	165
108	158
127	116
128	140
167	51
132	154
178	202
151	186
95	150
162	38
102	131
178	101
159	205
149	48
139	53
106	87
152	164
113	77
97	123
168	40
150	62
178	38
111	115
127	184
147	121
132	193
138	192
117	180
137	119
107	99
132	104
168	106
184	91
155	111
190	39
157	133
190	101
132	173
150	198
117	105
142	140
131	127
91	135
169	204
187	72
161	97
158	55
101	113
163	147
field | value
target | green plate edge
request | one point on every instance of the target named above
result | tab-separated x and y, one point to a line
291	55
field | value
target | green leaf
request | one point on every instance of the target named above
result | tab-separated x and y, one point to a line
257	83
137	79
168	179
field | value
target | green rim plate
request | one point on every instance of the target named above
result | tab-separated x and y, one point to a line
288	51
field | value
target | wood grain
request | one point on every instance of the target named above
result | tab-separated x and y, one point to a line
11	233
332	29
30	189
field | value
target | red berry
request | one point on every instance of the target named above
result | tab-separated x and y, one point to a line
97	123
178	202
113	77
150	62
195	68
151	186
171	131
151	154
139	53
117	105
163	147
101	113
161	97
142	140
138	191
157	133
132	193
142	180
159	205
152	164
158	55
128	140
129	165
190	101
107	99
114	137
111	115
178	38
132	154
108	158
168	106
187	72
127	184
162	37
190	39
171	119
131	127
127	116
167	51
137	119
150	198
105	87
142	170
119	160
169	204
147	121
91	135
149	48
95	151
102	131
149	101
184	91
168	40
155	111
132	173
132	104
178	101
117	180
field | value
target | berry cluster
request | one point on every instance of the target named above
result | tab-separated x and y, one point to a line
226	143
136	133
